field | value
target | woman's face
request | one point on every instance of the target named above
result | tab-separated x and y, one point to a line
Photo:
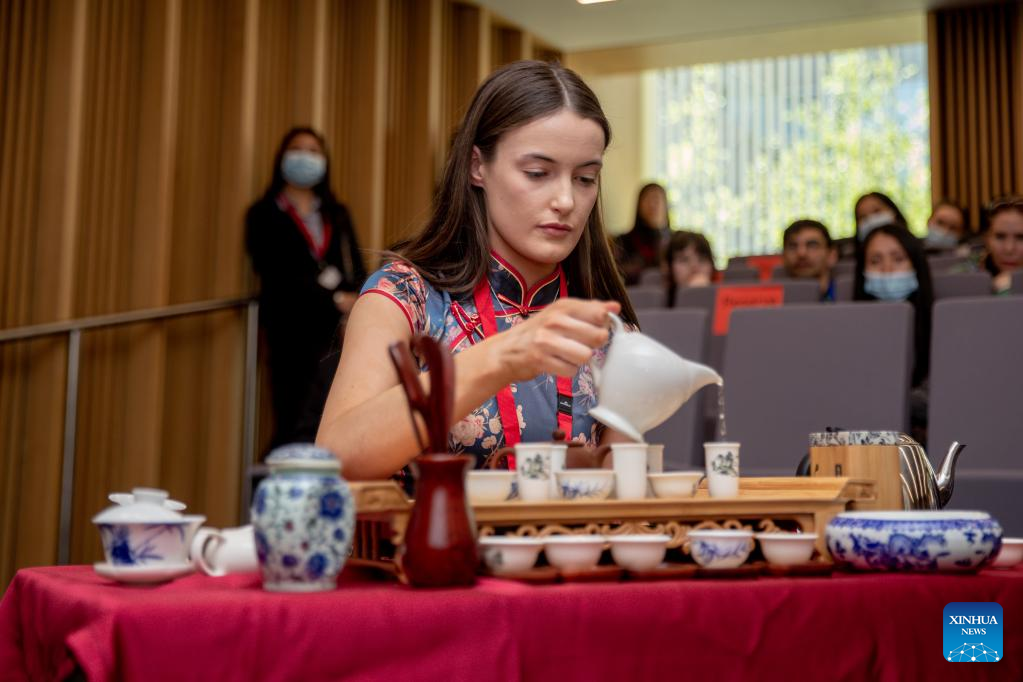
653	208
1004	240
304	142
688	268
540	187
870	205
948	218
886	255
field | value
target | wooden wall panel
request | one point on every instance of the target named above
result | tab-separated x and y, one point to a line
466	62
413	68
976	71
355	55
508	44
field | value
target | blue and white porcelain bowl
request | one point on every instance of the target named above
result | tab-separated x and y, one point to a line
586	484
720	548
913	540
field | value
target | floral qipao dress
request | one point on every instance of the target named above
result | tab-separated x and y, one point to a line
455	321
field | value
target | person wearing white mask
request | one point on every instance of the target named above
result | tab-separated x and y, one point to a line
870	211
875	209
303	248
891	266
946	228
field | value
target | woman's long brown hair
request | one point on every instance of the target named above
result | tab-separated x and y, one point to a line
452	252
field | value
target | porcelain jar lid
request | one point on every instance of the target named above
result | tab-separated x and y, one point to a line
855	438
302	456
146	505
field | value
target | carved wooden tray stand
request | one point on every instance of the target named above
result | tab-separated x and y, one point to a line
763	504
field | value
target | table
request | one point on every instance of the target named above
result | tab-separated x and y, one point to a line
844	627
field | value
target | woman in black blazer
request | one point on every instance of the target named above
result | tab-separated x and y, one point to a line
303	248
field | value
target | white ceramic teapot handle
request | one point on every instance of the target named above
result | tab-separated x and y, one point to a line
617	327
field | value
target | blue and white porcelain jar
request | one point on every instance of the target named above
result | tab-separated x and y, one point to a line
303	516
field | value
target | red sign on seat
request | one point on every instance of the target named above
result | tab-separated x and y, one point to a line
765	264
730	298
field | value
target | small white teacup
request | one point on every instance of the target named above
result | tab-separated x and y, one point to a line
630	470
219	552
787	549
535	467
722	460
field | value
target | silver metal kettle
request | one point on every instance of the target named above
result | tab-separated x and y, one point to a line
921	487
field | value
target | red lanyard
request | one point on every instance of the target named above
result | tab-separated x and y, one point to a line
318	250
505	399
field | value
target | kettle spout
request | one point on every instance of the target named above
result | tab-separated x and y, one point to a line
947	473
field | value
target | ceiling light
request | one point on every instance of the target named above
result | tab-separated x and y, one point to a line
592	2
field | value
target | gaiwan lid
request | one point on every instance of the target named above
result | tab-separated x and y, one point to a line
146	505
302	456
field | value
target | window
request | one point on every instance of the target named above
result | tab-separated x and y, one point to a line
747	147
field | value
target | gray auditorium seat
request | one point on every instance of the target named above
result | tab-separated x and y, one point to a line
844	267
942	263
740	274
646	297
685	332
651	277
976	395
1017	283
958	284
844	285
704	298
794	370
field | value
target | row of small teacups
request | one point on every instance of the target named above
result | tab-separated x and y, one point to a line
637	471
489	487
717	549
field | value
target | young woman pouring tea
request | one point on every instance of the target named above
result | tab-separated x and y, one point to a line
513	273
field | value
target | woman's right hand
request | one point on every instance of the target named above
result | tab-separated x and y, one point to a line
556	341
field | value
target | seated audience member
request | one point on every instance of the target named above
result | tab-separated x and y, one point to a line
871	209
807	253
1003	242
688	262
640	248
891	266
946	228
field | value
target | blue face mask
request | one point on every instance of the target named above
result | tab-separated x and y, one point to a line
940	238
303	169
894	286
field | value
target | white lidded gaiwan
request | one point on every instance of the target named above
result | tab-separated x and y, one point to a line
143	531
303	515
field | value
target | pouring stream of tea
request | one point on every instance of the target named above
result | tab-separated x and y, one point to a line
722	431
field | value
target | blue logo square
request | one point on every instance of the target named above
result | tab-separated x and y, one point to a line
972	632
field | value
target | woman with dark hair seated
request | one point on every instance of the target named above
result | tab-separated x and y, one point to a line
891	266
870	210
1003	242
688	262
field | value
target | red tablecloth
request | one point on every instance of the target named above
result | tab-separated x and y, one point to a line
845	627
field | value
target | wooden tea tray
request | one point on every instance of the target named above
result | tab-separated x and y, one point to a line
763	504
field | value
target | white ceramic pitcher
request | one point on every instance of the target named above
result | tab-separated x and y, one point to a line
642	382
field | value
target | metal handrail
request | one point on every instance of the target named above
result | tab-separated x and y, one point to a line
74	329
